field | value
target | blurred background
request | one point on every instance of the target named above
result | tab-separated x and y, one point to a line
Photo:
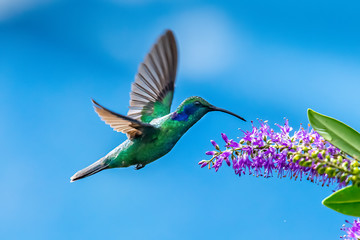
260	59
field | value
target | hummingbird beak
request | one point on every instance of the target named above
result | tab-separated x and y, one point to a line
213	108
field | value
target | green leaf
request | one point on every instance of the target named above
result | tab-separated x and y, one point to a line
337	133
345	201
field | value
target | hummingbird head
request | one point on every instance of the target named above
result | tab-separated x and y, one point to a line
195	108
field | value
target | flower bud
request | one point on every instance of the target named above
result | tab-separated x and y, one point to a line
354	179
215	144
302	162
355	164
224	137
343	177
330	172
296	157
320	165
204	164
334	161
210	153
321	170
345	165
308	164
201	162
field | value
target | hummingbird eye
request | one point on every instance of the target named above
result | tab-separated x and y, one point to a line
197	103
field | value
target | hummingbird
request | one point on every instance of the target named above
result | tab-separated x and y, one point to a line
152	131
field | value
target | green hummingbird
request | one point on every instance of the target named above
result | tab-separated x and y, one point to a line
151	129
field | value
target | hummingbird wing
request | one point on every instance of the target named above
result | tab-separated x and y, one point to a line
120	123
153	89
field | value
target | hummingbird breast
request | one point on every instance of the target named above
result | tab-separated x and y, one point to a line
159	145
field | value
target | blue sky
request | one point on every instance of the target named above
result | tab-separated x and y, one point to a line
260	59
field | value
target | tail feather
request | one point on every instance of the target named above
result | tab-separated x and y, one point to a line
96	167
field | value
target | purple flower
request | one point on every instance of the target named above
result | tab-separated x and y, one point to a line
210	153
233	144
225	156
352	232
229	143
218	163
203	163
265	152
214	144
224	137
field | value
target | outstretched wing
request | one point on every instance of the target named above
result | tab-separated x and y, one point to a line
120	123
153	89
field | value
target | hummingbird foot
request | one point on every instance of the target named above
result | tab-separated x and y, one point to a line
139	166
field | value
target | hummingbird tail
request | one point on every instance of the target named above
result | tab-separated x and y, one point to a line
96	167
